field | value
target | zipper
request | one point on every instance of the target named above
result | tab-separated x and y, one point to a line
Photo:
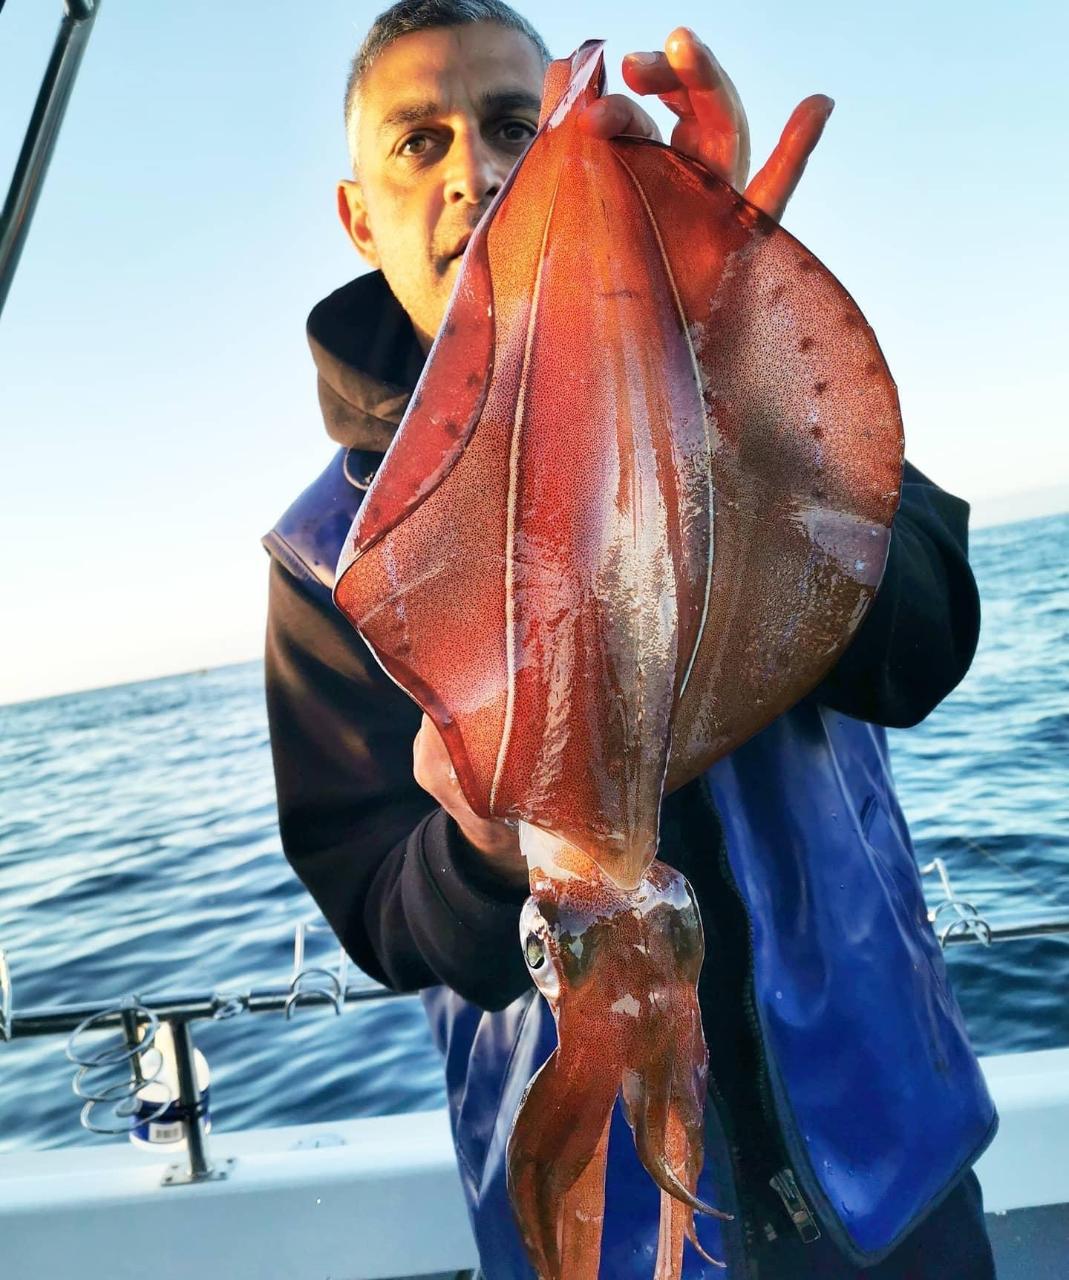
753	1218
749	1003
785	1186
783	1182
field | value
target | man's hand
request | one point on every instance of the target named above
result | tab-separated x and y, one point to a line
498	843
712	126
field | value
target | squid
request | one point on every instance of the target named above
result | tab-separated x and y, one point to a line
639	503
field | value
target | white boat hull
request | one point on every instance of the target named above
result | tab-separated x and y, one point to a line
380	1198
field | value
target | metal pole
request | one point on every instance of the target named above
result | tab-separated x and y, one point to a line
189	1098
132	1036
1014	932
188	1008
41	135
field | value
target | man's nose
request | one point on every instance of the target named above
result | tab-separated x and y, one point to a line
475	170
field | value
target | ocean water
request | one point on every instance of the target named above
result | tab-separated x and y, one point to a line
139	852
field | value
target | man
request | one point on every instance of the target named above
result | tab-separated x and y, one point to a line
842	1136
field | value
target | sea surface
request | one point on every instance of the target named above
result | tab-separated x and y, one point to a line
139	853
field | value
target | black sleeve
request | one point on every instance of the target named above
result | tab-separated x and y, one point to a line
919	636
388	868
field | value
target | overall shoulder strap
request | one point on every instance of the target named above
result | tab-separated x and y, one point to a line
308	538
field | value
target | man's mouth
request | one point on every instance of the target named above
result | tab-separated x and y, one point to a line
446	260
462	244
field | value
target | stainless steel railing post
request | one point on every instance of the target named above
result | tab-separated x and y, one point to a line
190	1101
132	1035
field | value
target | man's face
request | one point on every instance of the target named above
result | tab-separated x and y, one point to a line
443	116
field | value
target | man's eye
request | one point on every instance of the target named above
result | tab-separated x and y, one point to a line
517	132
414	145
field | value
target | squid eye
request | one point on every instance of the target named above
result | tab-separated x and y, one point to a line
539	951
534	951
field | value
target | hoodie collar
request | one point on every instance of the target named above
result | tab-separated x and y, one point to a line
367	359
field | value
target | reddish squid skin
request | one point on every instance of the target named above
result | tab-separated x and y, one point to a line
619	969
638	506
641	498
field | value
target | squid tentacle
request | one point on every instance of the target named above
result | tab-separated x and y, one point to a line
670	1236
661	1108
582	1216
648	1111
559	1130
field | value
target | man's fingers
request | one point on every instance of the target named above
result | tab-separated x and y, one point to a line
615	114
431	765
712	125
692	84
771	189
494	838
716	105
650	73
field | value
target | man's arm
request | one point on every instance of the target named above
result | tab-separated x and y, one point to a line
389	869
919	636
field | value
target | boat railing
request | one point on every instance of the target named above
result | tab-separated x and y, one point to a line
957	920
113	1078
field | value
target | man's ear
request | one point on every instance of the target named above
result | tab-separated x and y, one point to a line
353	213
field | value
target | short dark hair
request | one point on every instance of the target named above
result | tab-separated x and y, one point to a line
407	16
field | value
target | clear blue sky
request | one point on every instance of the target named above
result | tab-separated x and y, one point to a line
157	401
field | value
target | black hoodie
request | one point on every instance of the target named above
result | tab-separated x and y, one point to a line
412	902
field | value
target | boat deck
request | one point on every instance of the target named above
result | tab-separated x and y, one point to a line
1031	1244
